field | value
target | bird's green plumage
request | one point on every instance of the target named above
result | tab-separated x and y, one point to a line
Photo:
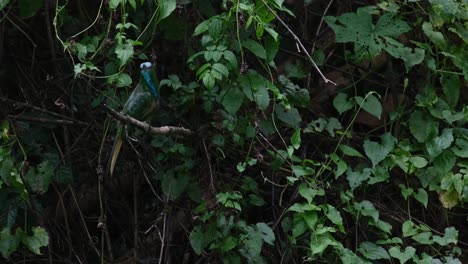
140	104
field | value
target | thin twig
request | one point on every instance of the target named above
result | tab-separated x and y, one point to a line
298	42
164	130
320	24
42	110
42	120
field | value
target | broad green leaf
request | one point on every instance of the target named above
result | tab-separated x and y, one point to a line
340	164
9	243
39	179
423	126
356	178
341	103
254	87
404	256
373	251
166	7
174	184
113	4
423	238
418	162
124	52
202	27
320	242
451	87
208	80
231	58
228	243
290	117
266	233
133	4
368	39
334	216
371	105
445	161
221	68
440	143
350	151
28	8
3	4
421	196
232	100
296	139
377	152
366	208
435	36
255	48
39	239
123	80
450	237
409	229
308	192
461	148
200	240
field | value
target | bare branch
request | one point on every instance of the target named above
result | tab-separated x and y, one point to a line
298	42
164	130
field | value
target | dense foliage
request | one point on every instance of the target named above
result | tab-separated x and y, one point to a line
324	131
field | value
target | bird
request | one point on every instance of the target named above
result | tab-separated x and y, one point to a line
141	103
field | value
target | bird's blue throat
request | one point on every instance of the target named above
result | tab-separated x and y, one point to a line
147	76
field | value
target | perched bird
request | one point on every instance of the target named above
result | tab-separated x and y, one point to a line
140	104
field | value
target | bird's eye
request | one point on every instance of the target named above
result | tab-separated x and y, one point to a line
145	65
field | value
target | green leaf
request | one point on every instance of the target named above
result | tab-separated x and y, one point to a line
266	233
123	80
113	4
208	80
3	4
231	58
202	27
461	148
340	164
296	139
404	256
334	216
228	243
39	239
421	196
377	152
356	178
124	52
423	126
319	242
232	100
366	208
341	103
373	251
174	184
290	117
423	238
438	144
371	105
368	39
221	68
451	86
166	7
200	240
418	162
28	8
40	178
450	237
350	151
9	243
255	48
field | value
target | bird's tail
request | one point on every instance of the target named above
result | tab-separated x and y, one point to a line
116	149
